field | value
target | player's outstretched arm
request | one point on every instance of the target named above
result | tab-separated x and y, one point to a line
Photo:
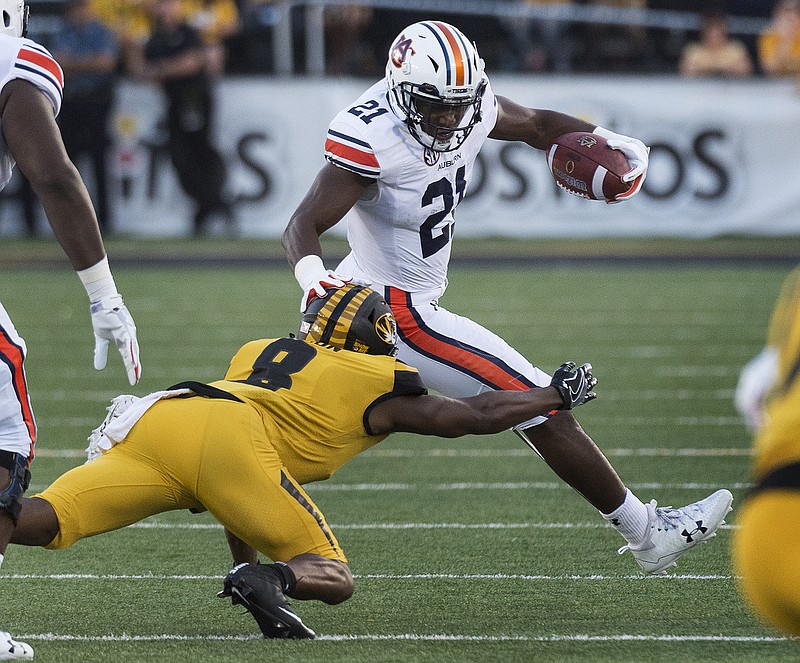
34	140
490	412
540	129
537	128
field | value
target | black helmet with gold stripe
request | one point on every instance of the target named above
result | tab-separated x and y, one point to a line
352	317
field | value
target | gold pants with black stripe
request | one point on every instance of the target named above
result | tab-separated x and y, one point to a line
194	453
766	554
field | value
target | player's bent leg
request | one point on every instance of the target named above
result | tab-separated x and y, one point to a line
576	459
113	491
766	556
37	524
326	580
455	355
256	496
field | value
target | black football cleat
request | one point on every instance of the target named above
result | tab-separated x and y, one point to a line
258	589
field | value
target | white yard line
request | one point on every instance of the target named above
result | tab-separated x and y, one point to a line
400	526
416	637
382	576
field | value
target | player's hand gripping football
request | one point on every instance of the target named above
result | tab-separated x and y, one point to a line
315	280
638	156
575	384
112	322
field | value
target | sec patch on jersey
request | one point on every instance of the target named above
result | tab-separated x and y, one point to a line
583	164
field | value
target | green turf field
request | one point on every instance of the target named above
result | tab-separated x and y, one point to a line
463	550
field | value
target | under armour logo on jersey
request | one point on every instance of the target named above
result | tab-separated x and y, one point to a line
688	535
400	51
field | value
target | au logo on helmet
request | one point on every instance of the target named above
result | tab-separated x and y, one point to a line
400	51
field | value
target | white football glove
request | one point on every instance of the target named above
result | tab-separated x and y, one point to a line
755	381
112	322
637	154
314	279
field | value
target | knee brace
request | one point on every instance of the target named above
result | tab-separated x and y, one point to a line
11	495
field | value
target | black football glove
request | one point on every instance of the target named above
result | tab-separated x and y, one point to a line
574	384
259	589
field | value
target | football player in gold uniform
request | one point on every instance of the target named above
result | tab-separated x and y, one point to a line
767	546
289	411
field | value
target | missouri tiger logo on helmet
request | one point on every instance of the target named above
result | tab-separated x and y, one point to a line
351	318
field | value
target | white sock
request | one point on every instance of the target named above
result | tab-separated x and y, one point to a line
630	519
2	557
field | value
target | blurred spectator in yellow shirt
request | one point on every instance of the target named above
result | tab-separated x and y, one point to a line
129	20
716	53
779	44
216	21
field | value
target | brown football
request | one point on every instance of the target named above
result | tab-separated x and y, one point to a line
583	164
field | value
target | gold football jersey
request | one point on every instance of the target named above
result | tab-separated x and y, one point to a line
314	399
778	443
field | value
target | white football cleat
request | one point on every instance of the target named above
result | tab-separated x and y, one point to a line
11	650
673	532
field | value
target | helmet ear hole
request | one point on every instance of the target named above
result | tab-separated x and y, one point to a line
14	18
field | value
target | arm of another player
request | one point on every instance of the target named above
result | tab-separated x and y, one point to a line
490	412
33	137
540	128
330	197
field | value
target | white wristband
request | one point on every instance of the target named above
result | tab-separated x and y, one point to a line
98	281
308	269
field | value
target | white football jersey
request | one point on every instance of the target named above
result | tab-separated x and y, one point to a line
23	58
400	231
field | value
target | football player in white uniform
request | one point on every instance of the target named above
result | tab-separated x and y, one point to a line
30	97
400	159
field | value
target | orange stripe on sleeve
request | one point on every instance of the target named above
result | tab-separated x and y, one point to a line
351	154
42	61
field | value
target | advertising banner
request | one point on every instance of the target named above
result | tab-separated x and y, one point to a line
725	158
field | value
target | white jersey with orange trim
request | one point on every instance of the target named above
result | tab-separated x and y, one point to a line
17	425
400	232
25	59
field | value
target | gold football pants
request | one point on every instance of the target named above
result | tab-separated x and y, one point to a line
191	453
767	557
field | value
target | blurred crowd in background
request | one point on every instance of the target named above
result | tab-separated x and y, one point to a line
184	45
239	35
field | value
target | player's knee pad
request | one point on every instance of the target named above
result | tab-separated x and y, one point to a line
11	495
